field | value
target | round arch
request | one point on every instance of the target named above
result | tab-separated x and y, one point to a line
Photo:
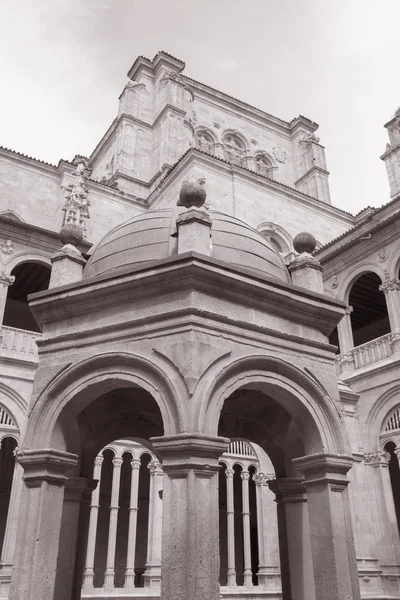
344	288
15	404
68	394
378	416
309	405
28	257
276	232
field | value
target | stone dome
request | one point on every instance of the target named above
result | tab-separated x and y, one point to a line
152	236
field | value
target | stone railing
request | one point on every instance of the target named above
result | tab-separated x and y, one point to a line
18	344
365	355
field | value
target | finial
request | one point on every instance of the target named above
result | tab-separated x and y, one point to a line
304	242
71	234
192	194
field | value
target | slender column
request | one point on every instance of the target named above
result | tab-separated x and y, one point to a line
248	577
112	531
45	474
332	545
190	537
88	573
5	282
229	473
133	510
152	575
75	492
391	288
267	530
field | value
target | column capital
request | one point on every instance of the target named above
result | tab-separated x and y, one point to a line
389	285
245	475
229	472
117	461
263	478
288	489
45	465
190	451
348	310
377	458
6	279
78	489
154	466
135	463
98	461
324	468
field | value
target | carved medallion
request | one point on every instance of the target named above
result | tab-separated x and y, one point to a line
7	247
279	154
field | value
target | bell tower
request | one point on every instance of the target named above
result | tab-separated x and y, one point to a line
391	156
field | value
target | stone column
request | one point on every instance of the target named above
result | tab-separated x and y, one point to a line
152	575
132	527
112	531
10	534
190	537
345	332
267	530
5	282
248	577
291	498
74	495
391	288
45	474
332	544
88	573
230	512
385	523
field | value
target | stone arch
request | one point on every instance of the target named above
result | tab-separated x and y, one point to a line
26	257
78	385
378	416
234	146
310	406
205	140
276	232
344	288
15	404
394	265
264	164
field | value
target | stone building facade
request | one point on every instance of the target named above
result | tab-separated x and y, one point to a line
198	399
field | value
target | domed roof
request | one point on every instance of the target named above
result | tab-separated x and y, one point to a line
152	236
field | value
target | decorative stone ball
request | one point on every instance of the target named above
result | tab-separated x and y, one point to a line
71	234
304	242
192	194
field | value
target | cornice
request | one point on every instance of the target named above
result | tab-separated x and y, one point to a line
165	109
310	172
40	165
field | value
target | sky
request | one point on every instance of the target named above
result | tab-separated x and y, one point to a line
63	64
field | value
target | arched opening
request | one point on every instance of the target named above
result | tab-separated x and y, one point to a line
233	148
263	165
7	464
369	317
394	472
205	141
118	547
30	277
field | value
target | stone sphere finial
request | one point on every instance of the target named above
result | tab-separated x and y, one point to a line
304	242
71	234
192	194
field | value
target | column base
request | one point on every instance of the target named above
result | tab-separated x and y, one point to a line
5	580
269	578
152	577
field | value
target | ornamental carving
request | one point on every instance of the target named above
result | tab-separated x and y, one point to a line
7	247
279	154
310	138
6	279
173	76
76	202
377	458
334	281
382	255
389	285
263	478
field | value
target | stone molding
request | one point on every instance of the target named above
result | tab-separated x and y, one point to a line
194	215
389	285
324	468
47	465
288	489
78	489
183	452
303	261
70	253
6	279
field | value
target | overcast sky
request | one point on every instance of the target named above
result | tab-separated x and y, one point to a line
63	64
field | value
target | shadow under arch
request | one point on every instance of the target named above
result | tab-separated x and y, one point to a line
56	409
312	409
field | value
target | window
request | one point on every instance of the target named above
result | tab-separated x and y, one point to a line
263	165
234	149
204	142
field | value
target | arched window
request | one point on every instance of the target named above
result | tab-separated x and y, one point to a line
369	318
394	473
204	141
30	277
263	165
234	149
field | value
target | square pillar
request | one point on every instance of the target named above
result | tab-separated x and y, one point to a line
45	475
332	544
77	492
291	498
190	536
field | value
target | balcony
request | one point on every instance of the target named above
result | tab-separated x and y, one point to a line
18	344
366	355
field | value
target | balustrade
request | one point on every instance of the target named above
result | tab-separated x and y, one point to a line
365	355
19	344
